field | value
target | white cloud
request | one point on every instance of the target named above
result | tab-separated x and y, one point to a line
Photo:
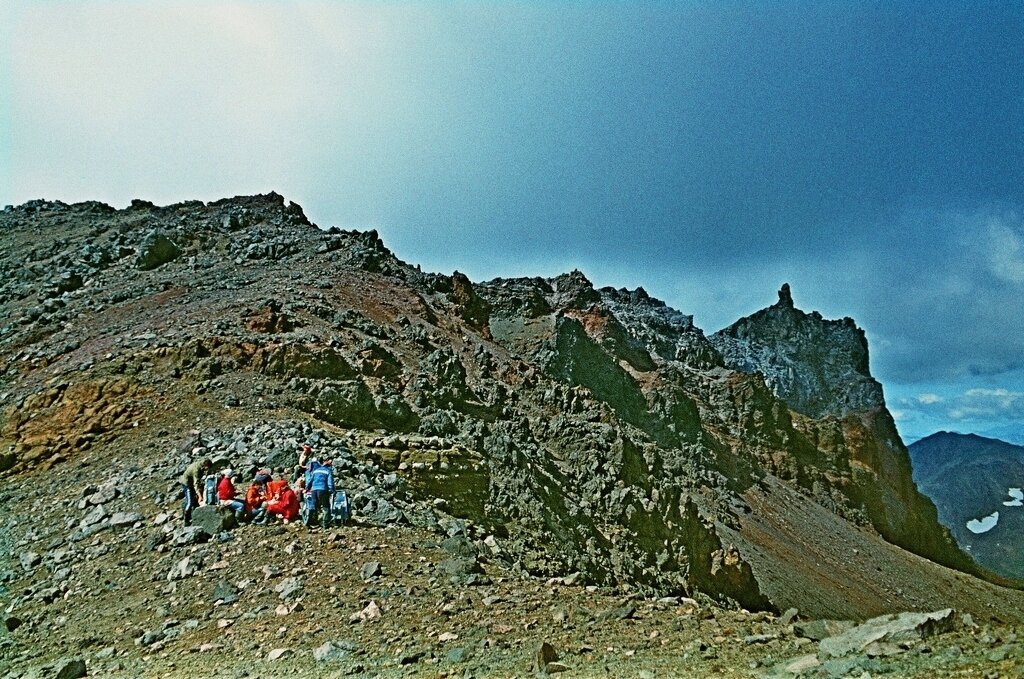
1006	248
928	399
978	404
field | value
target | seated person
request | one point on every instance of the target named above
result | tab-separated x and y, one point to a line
255	496
278	483
286	505
226	495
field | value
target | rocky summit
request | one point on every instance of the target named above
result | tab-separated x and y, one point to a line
545	476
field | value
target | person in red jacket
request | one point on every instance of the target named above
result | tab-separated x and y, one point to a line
286	505
226	495
254	498
278	483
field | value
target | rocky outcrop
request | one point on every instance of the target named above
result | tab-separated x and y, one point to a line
817	366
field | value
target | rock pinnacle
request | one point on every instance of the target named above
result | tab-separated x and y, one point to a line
785	298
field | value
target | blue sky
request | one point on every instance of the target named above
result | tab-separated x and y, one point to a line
870	154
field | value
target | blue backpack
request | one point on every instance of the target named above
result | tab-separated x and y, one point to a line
210	489
340	508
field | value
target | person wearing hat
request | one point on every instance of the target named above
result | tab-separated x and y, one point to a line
226	495
191	481
305	453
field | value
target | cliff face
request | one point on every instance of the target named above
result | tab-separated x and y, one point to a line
564	428
819	368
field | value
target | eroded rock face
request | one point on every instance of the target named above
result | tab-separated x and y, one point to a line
817	366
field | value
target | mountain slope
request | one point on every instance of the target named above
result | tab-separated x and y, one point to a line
560	429
969	477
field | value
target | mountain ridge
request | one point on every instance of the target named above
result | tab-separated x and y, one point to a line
562	430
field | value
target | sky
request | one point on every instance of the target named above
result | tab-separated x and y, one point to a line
870	154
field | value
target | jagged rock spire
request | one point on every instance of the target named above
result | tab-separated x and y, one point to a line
785	297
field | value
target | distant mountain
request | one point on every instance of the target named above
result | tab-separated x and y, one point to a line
1010	433
977	484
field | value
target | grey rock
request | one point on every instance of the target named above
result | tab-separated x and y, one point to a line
151	637
213	519
185	568
70	669
457	655
618	613
185	536
226	592
889	629
279	653
816	630
463	572
370	570
103	495
334	650
29	560
125	519
544	655
459	546
94	516
155	250
289	588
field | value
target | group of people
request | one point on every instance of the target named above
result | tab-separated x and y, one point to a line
271	494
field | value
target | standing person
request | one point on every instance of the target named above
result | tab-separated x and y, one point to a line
305	454
320	488
191	482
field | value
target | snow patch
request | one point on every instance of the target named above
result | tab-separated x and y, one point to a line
1018	498
983	525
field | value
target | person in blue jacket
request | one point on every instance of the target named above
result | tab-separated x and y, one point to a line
319	491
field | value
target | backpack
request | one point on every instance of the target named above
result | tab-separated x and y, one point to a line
210	489
340	510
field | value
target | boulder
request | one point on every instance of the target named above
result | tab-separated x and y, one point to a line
125	519
94	516
889	629
289	588
370	570
185	568
334	650
226	592
72	668
545	654
155	250
184	536
462	571
212	519
103	495
29	560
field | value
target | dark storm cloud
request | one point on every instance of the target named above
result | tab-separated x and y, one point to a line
868	153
